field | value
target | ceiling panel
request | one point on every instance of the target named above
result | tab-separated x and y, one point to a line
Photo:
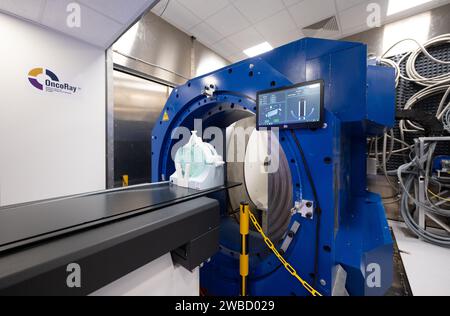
179	16
353	18
230	26
92	23
246	38
228	21
308	12
237	57
284	37
345	4
206	33
204	8
226	48
102	21
257	10
289	3
160	8
276	25
27	9
116	9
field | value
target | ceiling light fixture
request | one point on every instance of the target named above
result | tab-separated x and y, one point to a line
396	6
258	49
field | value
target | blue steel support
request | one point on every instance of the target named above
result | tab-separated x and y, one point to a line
359	101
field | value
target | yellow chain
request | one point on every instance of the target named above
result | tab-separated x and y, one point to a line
287	266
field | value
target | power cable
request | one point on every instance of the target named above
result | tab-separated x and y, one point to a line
317	201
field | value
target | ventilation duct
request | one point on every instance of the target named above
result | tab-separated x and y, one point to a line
324	28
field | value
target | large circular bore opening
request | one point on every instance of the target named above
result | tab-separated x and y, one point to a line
257	160
266	181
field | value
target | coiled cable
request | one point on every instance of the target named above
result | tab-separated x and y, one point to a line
411	58
447	121
432	86
407	174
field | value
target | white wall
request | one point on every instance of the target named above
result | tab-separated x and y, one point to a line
51	144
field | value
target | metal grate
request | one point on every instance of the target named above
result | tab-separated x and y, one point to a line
329	24
407	89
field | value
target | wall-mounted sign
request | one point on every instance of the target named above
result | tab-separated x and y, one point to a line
46	80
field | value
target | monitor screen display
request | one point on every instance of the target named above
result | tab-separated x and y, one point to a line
298	106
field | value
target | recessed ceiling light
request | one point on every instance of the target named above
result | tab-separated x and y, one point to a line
396	6
258	49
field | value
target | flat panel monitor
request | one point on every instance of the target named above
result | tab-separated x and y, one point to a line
297	106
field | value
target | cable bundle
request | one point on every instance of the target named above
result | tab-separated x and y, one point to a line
411	170
447	121
433	85
409	202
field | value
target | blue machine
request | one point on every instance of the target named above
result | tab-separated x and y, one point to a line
349	232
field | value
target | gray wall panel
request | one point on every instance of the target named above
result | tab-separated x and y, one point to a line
160	50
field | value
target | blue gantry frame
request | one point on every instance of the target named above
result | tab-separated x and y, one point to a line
353	232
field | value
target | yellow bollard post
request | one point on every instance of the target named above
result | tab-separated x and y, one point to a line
125	180
243	260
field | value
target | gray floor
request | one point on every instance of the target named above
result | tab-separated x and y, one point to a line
427	266
400	283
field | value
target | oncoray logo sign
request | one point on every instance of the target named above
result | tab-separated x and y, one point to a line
46	80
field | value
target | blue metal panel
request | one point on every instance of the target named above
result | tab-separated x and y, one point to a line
349	79
380	90
364	240
353	230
